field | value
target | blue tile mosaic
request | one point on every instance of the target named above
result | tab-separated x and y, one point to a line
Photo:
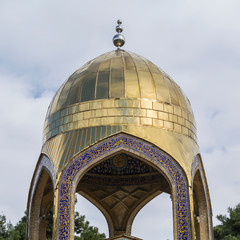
113	143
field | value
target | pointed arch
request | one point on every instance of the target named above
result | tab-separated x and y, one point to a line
40	200
139	147
201	201
134	194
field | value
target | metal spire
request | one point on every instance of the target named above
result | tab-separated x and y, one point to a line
118	39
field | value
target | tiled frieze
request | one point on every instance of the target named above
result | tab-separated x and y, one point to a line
162	160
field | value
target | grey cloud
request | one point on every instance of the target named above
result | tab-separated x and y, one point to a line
196	42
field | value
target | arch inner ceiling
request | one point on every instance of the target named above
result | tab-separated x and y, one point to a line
120	186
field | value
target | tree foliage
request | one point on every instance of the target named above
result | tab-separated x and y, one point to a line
83	230
229	229
7	231
4	227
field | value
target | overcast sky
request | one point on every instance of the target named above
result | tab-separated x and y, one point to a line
196	42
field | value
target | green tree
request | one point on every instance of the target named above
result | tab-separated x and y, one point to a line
4	227
18	232
85	231
229	229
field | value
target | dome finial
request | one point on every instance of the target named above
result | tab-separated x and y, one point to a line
118	39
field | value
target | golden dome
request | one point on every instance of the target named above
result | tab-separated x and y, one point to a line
118	91
118	74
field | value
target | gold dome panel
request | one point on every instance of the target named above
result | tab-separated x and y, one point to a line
119	88
118	92
118	74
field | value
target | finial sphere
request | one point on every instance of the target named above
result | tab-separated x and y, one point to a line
119	28
119	21
118	39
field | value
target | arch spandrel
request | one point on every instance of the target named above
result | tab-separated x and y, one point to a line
58	147
170	167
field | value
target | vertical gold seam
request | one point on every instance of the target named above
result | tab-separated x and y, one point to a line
68	149
70	89
104	58
110	130
78	131
177	93
167	84
72	145
47	148
110	79
73	142
95	134
59	147
51	149
185	104
145	61
61	88
68	139
86	129
90	138
124	73
60	151
136	74
56	143
96	82
80	140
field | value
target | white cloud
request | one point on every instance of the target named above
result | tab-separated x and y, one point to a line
157	211
222	168
155	219
22	118
43	42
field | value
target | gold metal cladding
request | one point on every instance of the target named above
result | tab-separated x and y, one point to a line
62	148
118	74
119	92
120	112
162	124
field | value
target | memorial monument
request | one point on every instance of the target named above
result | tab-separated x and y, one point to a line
119	131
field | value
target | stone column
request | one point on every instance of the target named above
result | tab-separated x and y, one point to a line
42	228
55	214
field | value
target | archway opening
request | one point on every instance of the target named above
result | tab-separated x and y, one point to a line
200	208
40	224
92	214
120	186
155	219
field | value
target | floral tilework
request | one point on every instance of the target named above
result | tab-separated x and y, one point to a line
113	143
